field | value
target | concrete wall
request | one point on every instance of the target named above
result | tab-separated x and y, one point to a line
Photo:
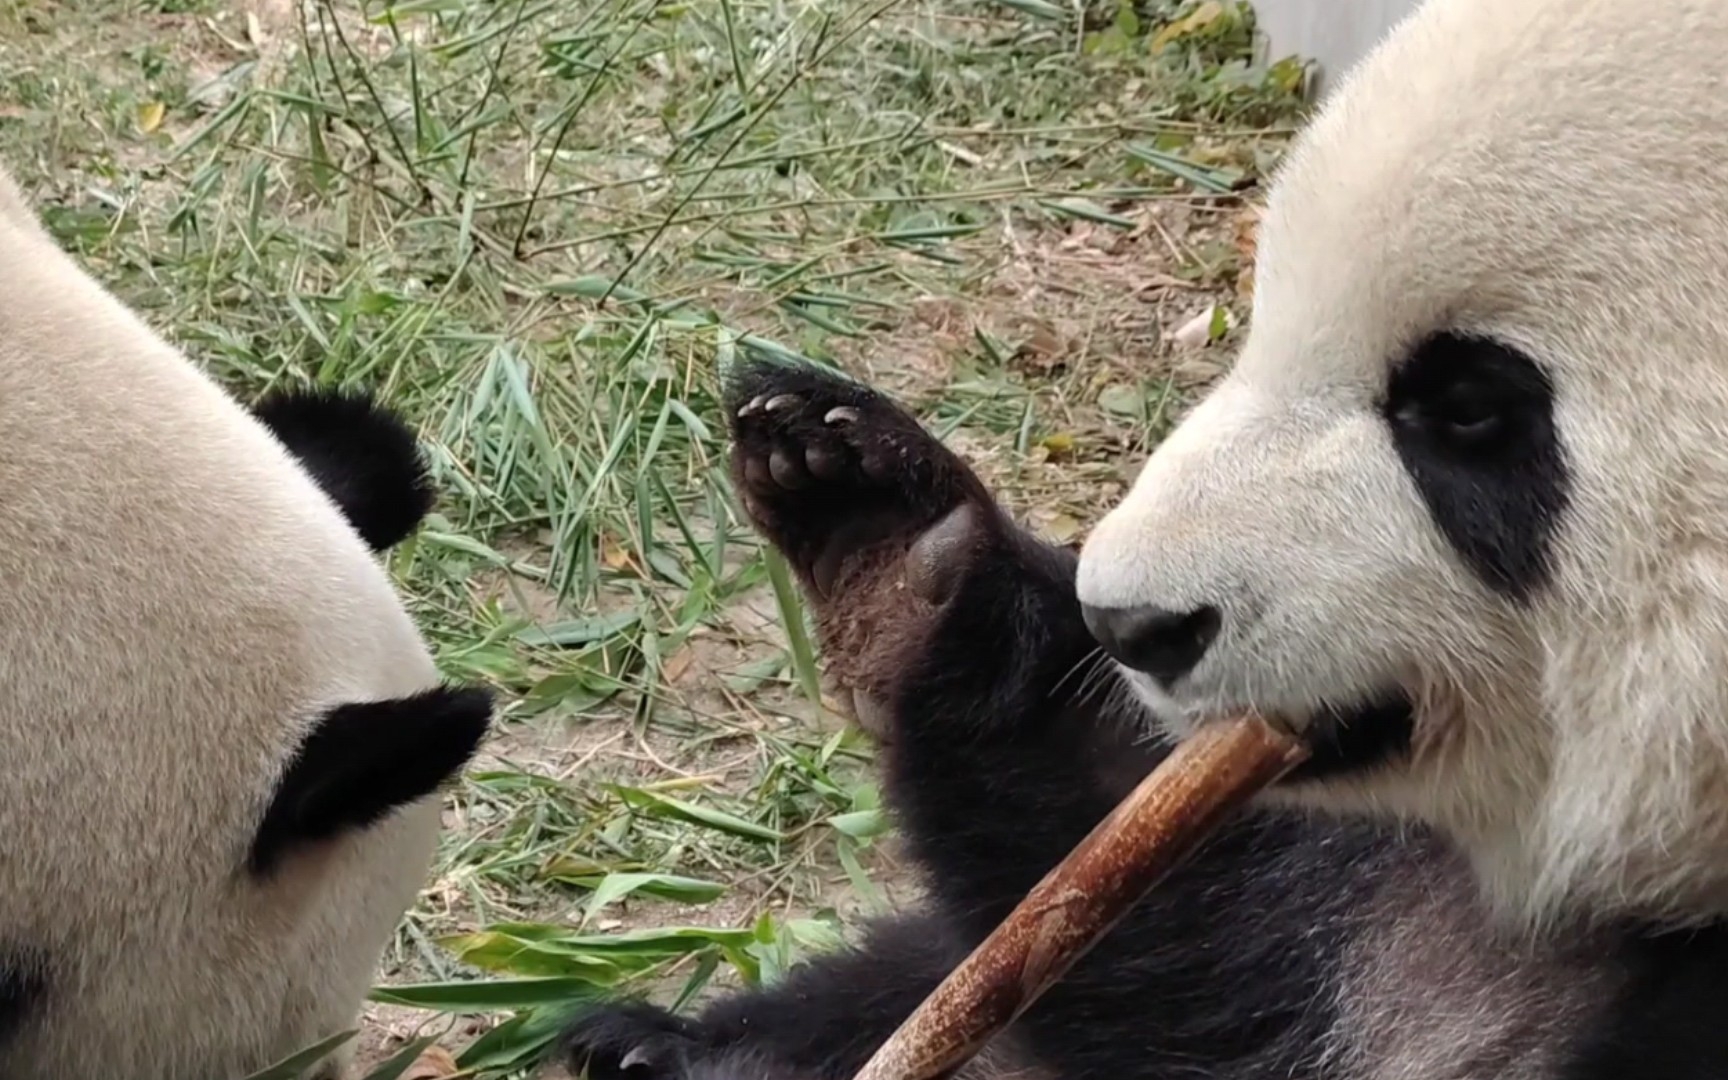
1332	33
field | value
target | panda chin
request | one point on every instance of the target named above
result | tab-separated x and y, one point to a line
1356	739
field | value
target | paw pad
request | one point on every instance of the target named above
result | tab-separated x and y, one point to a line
836	475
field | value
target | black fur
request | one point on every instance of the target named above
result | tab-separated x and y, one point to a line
854	997
1006	748
1473	421
23	987
1667	1023
362	454
1358	739
361	761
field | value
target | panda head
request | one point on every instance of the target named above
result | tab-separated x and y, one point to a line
1460	510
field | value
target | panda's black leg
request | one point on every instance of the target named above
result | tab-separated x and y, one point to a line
959	636
956	634
821	1023
630	1040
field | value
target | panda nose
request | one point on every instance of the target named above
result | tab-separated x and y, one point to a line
1164	644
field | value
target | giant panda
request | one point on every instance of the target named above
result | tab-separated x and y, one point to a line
221	734
1458	514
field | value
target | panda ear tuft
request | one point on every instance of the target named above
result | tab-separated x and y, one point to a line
362	454
359	762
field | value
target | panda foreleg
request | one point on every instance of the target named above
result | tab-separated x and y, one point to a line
956	634
821	1022
847	511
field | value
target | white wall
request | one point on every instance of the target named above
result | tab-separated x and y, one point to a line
1332	33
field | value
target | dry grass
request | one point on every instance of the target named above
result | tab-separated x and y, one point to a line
539	228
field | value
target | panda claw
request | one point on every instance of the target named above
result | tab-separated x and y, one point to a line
780	401
752	407
753	507
628	1041
841	414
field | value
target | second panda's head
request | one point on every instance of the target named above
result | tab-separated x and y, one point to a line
1460	511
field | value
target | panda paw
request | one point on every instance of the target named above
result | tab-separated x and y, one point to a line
629	1041
882	523
834	473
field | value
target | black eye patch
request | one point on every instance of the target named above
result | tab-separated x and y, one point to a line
1473	422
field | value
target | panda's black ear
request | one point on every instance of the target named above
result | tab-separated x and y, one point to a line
362	454
359	762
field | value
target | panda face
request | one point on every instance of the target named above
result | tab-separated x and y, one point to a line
1459	513
1266	545
1444	480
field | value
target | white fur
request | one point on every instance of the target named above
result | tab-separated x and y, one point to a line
1554	174
179	601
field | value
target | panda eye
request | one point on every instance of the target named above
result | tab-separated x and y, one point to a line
1473	422
1467	411
1466	395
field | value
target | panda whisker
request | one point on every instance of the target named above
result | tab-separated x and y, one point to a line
1103	679
1083	667
1118	700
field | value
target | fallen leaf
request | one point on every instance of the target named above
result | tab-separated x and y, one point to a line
676	665
1220	324
1121	400
1198	19
1037	344
150	115
612	554
1061	528
1197	369
434	1064
1247	239
1058	444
